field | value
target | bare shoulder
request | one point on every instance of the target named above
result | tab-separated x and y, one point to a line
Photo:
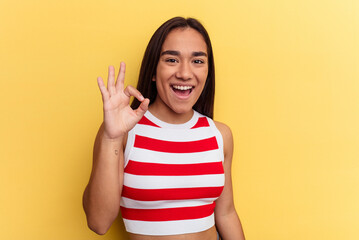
227	137
224	129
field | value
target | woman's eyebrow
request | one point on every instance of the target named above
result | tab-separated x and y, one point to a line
177	53
199	54
170	52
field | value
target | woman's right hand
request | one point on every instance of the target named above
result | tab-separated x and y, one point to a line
119	117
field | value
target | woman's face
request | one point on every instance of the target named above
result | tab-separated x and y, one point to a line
181	71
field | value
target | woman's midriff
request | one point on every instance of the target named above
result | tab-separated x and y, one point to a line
210	234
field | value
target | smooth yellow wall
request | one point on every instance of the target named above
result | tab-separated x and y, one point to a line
287	84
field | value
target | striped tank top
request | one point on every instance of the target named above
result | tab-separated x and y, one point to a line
173	174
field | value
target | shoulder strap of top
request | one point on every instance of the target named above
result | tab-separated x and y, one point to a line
218	135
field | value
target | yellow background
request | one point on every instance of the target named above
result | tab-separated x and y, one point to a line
287	85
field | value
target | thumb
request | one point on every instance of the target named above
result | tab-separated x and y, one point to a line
140	111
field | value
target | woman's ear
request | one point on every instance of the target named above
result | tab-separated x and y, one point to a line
154	79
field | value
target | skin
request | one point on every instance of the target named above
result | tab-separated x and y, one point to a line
183	62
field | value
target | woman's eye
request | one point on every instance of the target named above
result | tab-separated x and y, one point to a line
171	60
198	61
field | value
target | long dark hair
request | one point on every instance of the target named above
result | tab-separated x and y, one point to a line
147	87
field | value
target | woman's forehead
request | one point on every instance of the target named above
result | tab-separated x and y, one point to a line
184	39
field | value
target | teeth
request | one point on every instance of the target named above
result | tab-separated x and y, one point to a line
183	88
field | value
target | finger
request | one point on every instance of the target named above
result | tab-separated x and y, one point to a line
103	89
120	82
131	91
140	111
111	80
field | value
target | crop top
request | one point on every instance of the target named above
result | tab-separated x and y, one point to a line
173	174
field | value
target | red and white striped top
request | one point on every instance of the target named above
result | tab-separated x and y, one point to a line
173	174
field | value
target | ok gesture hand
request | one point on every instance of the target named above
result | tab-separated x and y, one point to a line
119	117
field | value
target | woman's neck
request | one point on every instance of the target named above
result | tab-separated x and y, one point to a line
167	115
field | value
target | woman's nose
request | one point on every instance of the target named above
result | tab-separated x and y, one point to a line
184	71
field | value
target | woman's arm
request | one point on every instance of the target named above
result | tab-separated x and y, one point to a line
227	221
101	199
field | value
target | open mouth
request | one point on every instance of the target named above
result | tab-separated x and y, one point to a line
182	91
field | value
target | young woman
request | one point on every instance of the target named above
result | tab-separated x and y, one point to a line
163	162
